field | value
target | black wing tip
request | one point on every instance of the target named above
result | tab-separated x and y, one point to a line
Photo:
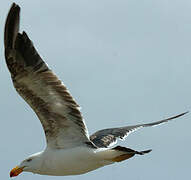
179	115
185	113
14	5
12	26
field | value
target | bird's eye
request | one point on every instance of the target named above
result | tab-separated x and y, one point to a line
28	160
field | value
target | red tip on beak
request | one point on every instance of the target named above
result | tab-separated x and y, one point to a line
16	171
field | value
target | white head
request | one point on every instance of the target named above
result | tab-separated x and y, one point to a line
31	164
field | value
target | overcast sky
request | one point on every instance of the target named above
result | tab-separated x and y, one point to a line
125	62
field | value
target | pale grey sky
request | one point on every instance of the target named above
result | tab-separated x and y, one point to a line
125	62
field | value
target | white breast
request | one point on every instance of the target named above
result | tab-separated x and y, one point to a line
62	162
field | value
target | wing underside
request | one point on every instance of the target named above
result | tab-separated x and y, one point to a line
41	89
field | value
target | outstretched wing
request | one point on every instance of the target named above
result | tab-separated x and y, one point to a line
41	89
108	137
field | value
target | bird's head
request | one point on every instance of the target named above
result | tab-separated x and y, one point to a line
30	164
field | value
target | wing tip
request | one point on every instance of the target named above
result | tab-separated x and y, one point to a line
177	116
185	112
12	26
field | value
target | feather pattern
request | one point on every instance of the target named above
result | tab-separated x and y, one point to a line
58	112
108	137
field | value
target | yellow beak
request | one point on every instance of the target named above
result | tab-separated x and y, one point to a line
16	171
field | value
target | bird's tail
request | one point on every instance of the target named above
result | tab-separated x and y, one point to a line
124	153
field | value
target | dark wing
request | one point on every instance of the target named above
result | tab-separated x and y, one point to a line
41	89
108	137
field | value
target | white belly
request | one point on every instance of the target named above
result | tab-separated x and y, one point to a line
62	162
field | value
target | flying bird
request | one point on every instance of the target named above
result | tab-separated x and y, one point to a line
70	150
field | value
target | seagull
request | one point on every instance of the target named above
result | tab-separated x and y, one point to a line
70	150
